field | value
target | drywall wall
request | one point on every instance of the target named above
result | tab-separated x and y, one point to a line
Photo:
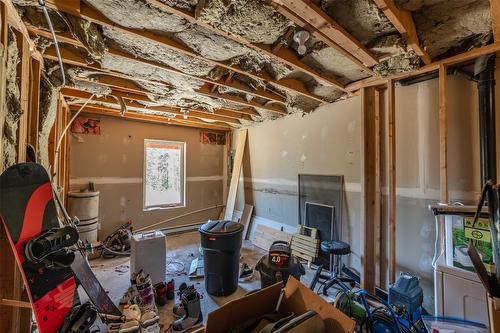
114	160
328	142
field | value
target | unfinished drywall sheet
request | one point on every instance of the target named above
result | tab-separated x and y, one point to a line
327	142
114	160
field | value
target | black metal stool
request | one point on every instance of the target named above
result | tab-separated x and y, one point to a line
337	249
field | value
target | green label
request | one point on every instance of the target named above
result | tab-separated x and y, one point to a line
481	223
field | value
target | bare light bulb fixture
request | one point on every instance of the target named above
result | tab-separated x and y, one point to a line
301	38
185	113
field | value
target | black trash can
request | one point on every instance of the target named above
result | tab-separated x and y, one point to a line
221	243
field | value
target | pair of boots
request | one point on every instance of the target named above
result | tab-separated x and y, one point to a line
146	294
164	292
149	322
188	311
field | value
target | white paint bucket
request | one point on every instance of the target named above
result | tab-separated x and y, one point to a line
88	230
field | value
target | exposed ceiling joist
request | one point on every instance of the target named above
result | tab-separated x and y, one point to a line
127	89
317	18
258	92
495	19
316	33
152	118
460	58
76	60
91	15
218	114
403	22
282	54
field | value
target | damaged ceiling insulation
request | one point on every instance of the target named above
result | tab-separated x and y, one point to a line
444	28
13	104
448	27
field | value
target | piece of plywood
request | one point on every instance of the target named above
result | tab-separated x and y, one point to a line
264	236
443	135
246	219
235	176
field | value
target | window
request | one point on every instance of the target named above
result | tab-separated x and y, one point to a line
164	174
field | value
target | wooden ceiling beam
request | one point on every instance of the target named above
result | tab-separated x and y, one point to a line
495	19
76	60
152	118
87	13
218	114
403	22
283	55
317	18
299	21
238	86
454	60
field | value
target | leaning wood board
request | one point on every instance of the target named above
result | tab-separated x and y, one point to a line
235	177
265	236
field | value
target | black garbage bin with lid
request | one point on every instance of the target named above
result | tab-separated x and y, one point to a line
221	243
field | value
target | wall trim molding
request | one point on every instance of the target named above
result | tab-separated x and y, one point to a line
132	180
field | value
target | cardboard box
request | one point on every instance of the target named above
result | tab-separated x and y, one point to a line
494	313
297	298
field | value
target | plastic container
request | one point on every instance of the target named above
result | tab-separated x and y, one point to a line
221	243
445	325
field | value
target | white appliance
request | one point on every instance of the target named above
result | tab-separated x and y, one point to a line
458	293
149	253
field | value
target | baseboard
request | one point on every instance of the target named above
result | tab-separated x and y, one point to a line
256	220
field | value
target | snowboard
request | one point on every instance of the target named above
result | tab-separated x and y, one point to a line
28	210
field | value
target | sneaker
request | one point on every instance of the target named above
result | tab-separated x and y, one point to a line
246	273
130	296
150	322
130	327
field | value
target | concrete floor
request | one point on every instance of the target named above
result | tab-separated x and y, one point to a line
114	273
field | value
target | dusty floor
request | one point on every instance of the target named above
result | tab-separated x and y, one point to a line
114	273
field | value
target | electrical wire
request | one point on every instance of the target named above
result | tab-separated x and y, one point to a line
58	147
54	38
176	270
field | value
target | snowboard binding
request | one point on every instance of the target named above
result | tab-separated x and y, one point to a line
50	248
80	320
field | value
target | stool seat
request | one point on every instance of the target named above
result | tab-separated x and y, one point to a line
335	247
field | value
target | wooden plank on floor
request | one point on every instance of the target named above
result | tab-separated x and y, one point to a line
235	177
246	220
264	236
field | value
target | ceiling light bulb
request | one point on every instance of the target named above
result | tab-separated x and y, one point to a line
301	38
185	116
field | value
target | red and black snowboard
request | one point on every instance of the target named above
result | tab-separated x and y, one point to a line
28	212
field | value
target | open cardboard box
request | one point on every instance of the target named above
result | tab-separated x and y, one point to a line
296	298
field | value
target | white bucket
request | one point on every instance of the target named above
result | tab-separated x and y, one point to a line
84	205
88	230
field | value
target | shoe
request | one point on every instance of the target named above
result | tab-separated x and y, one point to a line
246	273
150	323
146	293
178	309
130	296
130	327
171	289
192	306
161	293
132	312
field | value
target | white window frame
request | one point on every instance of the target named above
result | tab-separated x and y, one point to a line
182	147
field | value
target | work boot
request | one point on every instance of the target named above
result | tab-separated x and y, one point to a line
178	309
150	323
161	293
171	289
192	307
